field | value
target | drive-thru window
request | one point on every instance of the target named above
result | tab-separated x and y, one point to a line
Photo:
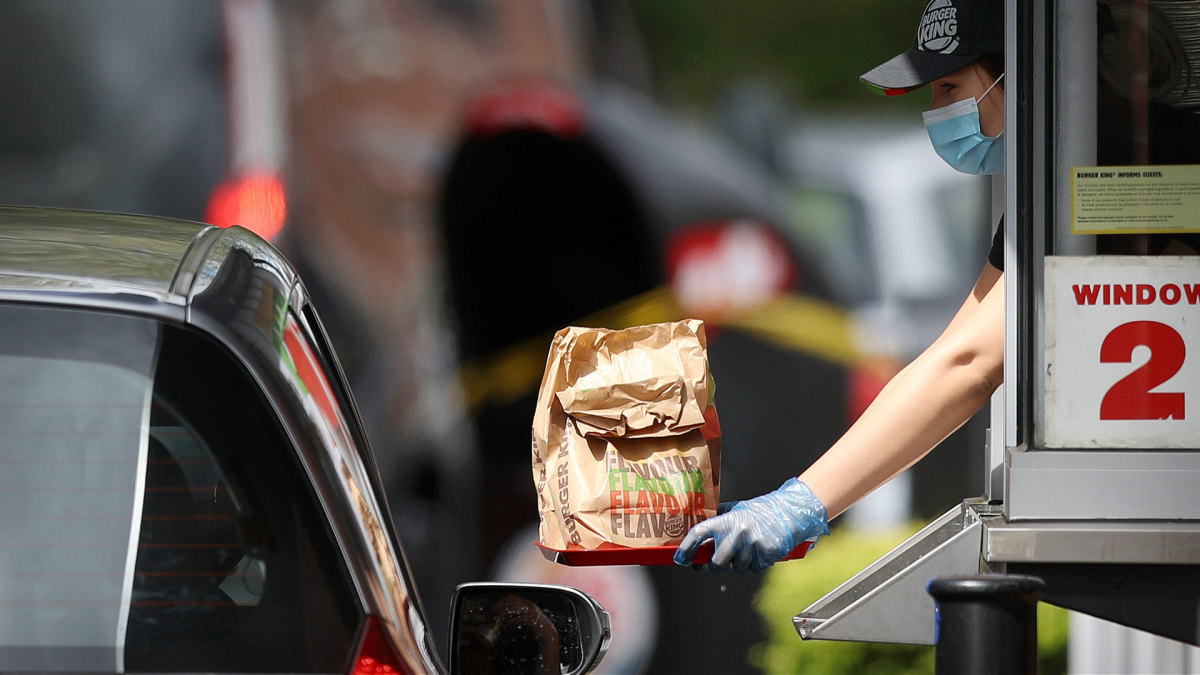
1094	448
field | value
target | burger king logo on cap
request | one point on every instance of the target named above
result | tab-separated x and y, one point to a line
938	30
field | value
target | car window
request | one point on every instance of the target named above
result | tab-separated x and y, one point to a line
833	223
68	483
155	515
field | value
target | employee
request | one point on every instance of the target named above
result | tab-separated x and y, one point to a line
958	52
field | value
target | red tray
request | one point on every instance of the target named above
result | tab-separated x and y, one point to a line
610	554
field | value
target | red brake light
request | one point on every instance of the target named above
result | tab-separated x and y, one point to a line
526	106
722	268
375	653
256	201
864	382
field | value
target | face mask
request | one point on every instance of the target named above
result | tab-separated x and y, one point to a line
954	130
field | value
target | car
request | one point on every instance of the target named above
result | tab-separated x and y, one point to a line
596	206
186	484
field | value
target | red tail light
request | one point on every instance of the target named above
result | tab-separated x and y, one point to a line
721	268
376	656
537	106
255	201
864	382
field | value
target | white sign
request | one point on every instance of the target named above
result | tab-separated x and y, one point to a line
1122	352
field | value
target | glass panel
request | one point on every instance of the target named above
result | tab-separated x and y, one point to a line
154	515
74	392
236	559
525	631
1148	91
1114	328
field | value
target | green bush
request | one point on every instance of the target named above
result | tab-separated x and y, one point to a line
790	587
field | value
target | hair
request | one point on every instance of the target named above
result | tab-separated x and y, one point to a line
993	65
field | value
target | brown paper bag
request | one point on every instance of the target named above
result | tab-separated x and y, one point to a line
626	444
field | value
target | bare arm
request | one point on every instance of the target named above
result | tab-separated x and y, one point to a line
923	404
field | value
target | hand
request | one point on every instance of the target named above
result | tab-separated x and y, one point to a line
754	534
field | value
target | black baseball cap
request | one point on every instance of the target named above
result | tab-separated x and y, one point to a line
950	35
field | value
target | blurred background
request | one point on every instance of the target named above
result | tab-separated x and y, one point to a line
457	179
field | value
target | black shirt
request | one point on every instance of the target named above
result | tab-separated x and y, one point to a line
1109	244
996	254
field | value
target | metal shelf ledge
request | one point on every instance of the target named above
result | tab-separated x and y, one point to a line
887	601
1104	542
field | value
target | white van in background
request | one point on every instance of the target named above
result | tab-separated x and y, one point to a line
902	238
902	234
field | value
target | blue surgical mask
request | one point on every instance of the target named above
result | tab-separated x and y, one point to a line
954	130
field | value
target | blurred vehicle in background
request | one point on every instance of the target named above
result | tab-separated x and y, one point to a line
374	91
902	235
337	121
114	106
320	125
186	484
594	206
902	238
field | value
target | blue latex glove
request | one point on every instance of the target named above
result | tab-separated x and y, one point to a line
756	533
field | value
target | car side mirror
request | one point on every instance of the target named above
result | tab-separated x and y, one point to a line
526	628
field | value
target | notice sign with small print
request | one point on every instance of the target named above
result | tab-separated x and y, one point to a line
1122	352
1135	199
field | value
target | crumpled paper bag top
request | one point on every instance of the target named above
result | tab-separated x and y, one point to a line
614	383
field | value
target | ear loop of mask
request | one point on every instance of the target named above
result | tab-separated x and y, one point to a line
958	108
990	88
957	138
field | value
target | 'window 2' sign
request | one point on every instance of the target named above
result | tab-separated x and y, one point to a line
1122	352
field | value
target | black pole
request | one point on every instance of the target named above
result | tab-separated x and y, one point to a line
986	624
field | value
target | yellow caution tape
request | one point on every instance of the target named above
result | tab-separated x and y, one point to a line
793	321
805	325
